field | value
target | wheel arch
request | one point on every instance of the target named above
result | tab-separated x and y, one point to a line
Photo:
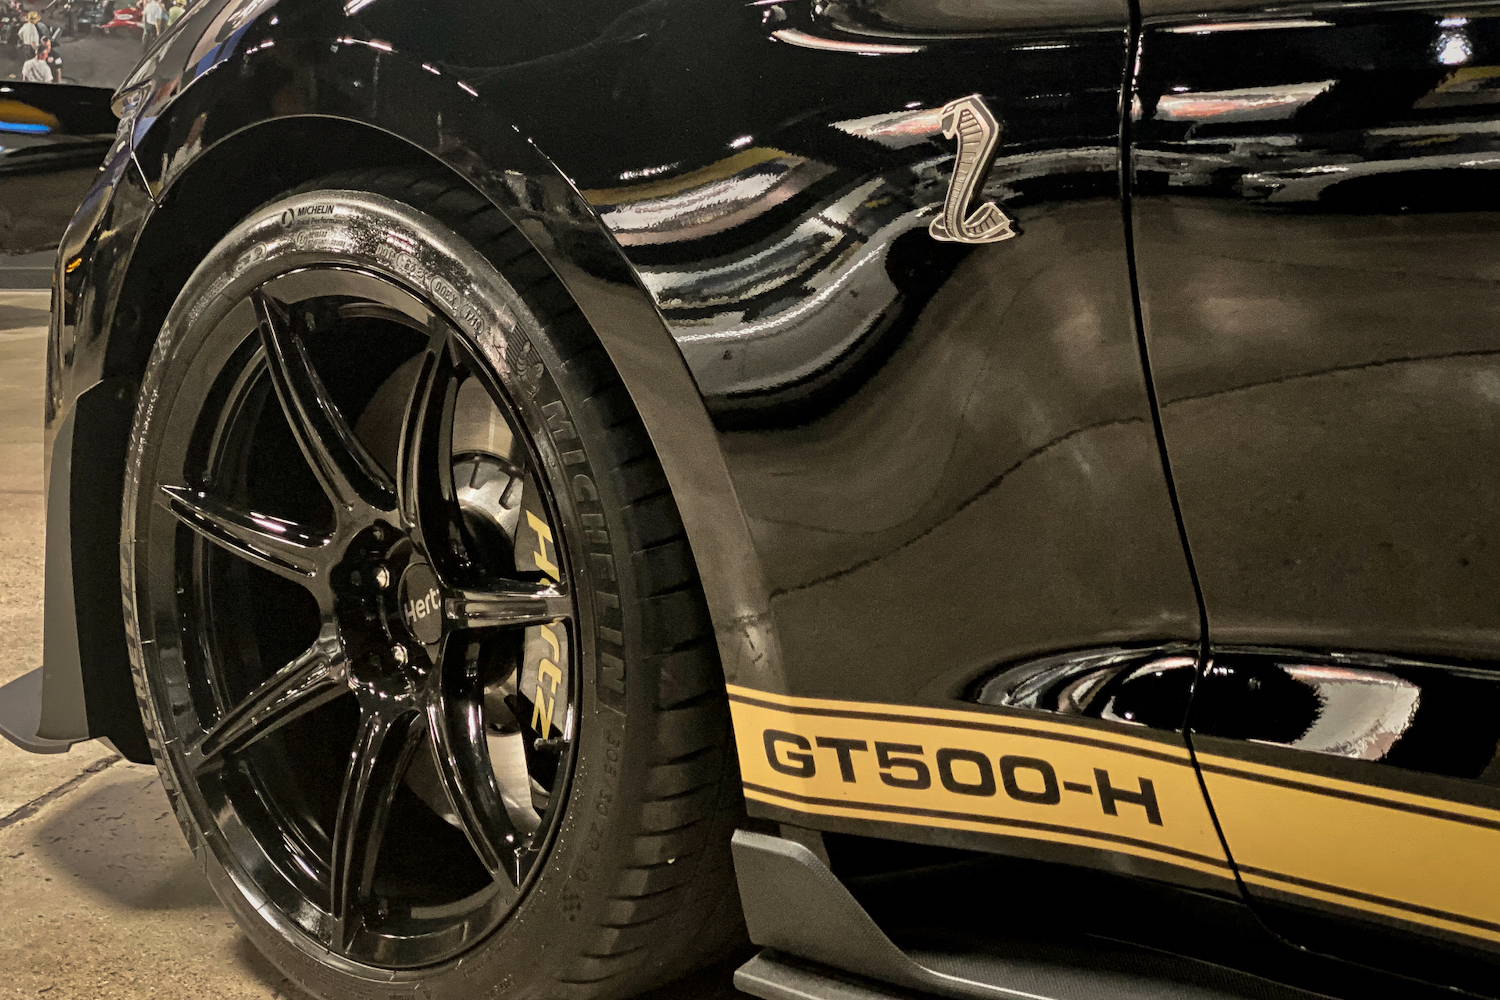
196	211
192	208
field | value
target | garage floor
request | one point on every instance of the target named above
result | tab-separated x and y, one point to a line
99	895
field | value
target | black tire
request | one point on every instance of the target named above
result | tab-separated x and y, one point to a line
633	886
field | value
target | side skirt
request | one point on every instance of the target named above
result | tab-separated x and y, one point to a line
821	943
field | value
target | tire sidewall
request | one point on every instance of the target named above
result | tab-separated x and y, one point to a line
549	929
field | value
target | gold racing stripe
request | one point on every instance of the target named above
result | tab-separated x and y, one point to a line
1430	861
978	771
1425	860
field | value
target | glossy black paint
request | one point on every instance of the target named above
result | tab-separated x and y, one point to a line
907	424
1314	212
1413	717
1150	686
910	428
1440	719
898	417
992	400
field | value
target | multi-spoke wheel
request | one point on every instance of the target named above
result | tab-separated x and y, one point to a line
416	630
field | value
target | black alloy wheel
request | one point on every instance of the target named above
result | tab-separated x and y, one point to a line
412	608
355	546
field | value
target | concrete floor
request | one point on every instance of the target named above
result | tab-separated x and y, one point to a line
99	895
32	270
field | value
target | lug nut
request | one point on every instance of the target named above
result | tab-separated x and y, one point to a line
399	652
382	577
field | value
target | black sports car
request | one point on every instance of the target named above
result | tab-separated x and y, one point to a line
993	499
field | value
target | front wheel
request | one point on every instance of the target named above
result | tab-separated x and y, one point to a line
420	646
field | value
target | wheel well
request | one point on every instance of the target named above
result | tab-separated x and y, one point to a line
196	213
199	210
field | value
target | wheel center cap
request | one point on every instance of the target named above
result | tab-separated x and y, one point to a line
421	603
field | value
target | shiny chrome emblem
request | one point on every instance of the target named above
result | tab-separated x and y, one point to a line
978	133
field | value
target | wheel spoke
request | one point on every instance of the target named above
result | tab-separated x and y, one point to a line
346	471
382	752
283	547
456	722
429	507
507	608
313	679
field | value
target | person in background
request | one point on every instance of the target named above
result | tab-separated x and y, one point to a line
176	12
30	35
53	58
36	69
152	17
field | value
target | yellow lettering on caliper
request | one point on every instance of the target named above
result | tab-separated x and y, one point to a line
543	536
547	671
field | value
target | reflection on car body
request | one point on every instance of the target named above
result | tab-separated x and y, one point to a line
1070	425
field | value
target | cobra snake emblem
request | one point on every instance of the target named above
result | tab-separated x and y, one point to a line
978	133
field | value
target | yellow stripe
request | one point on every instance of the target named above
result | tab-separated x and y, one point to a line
1033	805
1396	799
1395	912
1364	853
1418	858
853	812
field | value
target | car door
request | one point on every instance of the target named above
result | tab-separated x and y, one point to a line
1315	221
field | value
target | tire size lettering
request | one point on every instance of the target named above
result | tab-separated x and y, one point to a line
962	771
